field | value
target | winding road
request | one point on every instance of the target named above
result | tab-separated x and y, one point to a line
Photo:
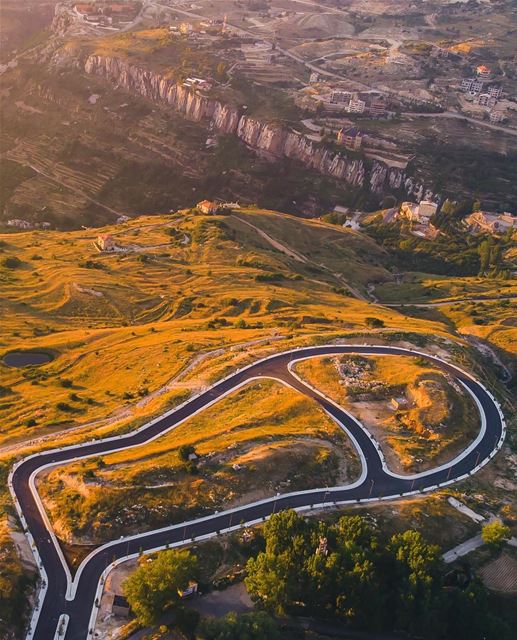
66	606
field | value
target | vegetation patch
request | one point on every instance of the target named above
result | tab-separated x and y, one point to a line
421	416
226	455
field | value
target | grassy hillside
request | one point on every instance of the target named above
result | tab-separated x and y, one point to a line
189	285
260	440
188	299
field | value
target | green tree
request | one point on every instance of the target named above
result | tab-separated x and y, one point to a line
495	533
484	250
415	573
276	576
248	626
153	587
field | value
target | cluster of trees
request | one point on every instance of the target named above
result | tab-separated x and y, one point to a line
157	584
358	579
455	253
249	626
446	255
490	251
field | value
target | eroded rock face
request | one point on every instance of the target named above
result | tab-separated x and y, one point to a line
266	139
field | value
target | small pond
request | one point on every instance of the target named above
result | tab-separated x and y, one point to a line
27	358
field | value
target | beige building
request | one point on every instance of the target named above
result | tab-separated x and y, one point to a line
483	221
207	207
426	209
105	242
351	138
421	212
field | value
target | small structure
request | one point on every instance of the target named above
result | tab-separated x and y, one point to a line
197	83
494	223
483	71
207	207
398	403
188	591
351	138
426	209
322	549
105	242
120	606
248	535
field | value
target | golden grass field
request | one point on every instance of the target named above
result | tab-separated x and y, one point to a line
193	297
419	415
261	439
123	325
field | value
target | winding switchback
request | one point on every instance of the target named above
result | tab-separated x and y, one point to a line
66	606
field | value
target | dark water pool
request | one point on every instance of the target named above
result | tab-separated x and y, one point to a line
26	358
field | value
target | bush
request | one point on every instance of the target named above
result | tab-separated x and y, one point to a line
11	262
495	533
185	451
274	276
374	323
64	406
252	626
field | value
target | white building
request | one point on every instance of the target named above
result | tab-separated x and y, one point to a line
482	99
495	91
337	97
356	106
496	116
472	85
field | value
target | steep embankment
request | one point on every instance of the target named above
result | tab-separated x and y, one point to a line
267	139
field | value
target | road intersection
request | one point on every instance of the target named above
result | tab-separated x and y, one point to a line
66	606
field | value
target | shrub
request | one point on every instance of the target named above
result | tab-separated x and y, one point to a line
185	451
64	406
374	323
495	533
11	262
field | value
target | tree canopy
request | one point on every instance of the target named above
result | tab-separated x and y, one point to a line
248	626
495	533
346	572
153	587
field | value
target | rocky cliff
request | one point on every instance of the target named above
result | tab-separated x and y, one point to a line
268	140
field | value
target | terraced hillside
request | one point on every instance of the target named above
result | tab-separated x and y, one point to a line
181	286
184	300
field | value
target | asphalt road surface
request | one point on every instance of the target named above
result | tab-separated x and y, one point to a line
76	597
